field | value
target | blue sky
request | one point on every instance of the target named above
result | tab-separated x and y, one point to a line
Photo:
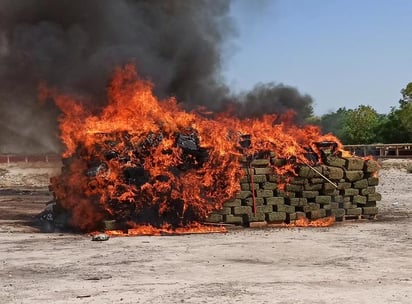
342	53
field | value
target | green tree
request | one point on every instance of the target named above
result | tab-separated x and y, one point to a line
405	111
397	127
393	129
313	120
360	125
333	122
405	117
407	93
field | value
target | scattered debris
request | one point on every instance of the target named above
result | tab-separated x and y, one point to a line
100	237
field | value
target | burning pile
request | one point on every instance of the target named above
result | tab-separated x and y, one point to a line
319	191
141	162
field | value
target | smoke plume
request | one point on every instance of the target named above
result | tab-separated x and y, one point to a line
274	98
75	45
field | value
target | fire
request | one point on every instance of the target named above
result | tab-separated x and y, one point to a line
304	222
193	228
148	164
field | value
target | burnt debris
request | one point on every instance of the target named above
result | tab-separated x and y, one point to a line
115	178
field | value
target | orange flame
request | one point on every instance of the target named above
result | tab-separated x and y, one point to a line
304	222
194	228
140	131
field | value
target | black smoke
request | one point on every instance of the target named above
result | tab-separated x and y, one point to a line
75	45
274	98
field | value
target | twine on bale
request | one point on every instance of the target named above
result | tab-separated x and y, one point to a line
321	175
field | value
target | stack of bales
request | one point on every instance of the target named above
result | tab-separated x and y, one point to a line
340	187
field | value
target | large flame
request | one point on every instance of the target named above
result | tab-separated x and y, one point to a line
136	131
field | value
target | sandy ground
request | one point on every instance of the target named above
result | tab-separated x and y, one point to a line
350	262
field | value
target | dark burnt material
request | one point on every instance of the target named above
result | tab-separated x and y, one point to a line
128	155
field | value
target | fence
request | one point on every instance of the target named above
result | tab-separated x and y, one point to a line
29	158
382	150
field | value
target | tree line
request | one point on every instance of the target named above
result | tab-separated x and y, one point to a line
364	125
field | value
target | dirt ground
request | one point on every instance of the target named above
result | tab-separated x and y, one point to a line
350	262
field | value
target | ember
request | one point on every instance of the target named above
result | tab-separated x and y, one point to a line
150	166
304	222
